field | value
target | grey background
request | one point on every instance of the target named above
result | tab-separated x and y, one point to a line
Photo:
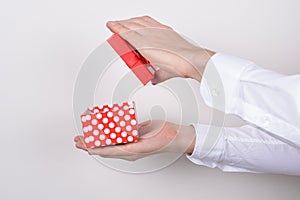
43	44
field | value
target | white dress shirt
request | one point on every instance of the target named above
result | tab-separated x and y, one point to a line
268	101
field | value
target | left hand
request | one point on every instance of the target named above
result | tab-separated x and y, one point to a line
155	137
163	47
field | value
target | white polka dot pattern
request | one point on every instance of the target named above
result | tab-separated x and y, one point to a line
97	143
124	134
113	135
109	125
99	116
119	140
134	133
116	118
94	121
108	141
128	128
122	123
127	117
121	113
118	129
88	117
106	131
102	137
133	122
96	132
130	138
105	120
109	114
100	126
91	138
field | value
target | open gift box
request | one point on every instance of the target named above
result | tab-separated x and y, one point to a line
109	125
116	124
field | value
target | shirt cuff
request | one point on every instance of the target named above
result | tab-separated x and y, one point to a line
220	81
214	157
202	154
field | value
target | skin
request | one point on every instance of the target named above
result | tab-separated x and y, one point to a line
155	137
173	56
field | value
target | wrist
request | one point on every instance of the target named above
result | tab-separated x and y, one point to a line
198	59
186	139
192	140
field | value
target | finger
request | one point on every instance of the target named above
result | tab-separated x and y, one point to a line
79	139
76	138
134	157
143	20
128	158
145	123
128	34
145	127
109	151
142	127
132	35
142	147
149	22
154	22
151	130
81	146
161	76
124	150
131	25
146	21
116	27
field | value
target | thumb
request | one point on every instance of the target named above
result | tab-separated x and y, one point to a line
161	76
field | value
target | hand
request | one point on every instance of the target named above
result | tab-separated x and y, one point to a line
155	137
163	47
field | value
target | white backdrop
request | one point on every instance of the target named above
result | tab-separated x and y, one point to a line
43	44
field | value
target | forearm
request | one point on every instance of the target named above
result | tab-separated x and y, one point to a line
198	58
184	141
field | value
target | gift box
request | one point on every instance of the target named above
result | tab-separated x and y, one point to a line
109	125
139	65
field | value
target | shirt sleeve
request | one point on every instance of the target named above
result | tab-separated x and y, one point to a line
261	97
246	149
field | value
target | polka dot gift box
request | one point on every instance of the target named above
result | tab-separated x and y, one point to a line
109	125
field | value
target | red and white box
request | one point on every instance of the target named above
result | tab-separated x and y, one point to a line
109	125
138	64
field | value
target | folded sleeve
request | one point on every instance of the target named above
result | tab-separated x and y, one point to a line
261	97
245	149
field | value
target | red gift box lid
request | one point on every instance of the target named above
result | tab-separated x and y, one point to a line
139	65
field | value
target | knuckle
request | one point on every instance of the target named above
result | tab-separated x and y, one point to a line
135	19
168	27
99	153
146	17
103	155
128	148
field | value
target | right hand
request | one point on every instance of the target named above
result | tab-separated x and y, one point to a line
163	47
155	137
